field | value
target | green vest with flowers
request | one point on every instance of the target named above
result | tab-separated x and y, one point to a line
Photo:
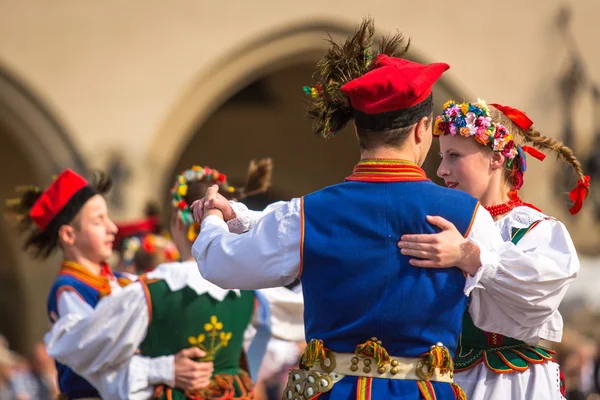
183	318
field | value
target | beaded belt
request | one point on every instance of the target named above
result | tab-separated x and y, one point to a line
401	368
323	367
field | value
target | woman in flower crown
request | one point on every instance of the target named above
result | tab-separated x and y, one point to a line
484	154
173	307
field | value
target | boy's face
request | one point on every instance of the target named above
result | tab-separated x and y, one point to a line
93	232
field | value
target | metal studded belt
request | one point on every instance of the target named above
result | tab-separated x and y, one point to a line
401	368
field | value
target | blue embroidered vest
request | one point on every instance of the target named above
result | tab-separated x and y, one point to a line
358	285
90	288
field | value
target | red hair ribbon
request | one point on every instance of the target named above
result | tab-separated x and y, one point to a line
534	152
579	194
516	116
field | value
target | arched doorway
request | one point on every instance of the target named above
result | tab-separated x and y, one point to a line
33	147
259	113
266	119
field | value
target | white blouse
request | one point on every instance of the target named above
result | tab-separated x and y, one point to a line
516	292
99	343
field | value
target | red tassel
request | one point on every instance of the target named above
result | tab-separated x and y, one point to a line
533	152
579	194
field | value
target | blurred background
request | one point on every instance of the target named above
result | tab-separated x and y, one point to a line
145	88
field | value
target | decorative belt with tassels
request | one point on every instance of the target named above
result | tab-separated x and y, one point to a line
321	368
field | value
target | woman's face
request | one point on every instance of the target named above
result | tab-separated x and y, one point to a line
465	165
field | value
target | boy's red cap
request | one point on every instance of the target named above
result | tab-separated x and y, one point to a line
62	200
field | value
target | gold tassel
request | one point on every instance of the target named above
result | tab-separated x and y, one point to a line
315	351
458	392
373	348
439	357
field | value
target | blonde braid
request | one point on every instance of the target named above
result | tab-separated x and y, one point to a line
533	136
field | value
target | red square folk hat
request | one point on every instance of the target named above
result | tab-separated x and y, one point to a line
61	202
396	93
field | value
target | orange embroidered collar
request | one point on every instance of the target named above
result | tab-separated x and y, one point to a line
100	283
381	170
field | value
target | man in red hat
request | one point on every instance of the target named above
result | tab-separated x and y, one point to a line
72	215
377	326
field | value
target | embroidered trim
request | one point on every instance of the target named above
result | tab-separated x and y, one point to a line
363	388
381	170
67	288
512	365
144	284
472	219
427	390
518	234
100	283
301	237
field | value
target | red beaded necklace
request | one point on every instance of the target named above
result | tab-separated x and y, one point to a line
503	208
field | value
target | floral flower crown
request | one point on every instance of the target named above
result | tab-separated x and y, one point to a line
473	119
180	190
149	244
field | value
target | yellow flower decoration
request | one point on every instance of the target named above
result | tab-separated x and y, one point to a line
464	107
214	324
230	189
196	341
436	127
182	190
225	337
196	168
193	231
448	103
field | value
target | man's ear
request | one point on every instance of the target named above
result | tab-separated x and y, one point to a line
421	129
66	234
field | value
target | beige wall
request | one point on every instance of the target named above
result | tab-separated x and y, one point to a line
145	77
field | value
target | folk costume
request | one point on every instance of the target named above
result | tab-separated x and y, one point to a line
378	328
167	310
76	292
506	361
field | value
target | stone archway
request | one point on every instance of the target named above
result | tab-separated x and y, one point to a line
33	147
224	122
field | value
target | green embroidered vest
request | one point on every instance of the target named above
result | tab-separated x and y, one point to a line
183	319
500	354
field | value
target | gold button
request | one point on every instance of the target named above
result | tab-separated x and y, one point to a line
367	362
394	363
373	339
354	368
354	360
367	369
379	342
381	370
394	371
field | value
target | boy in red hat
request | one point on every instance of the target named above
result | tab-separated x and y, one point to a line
172	306
377	326
72	215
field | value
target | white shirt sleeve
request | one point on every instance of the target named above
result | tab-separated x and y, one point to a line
518	288
70	302
99	345
245	219
266	256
